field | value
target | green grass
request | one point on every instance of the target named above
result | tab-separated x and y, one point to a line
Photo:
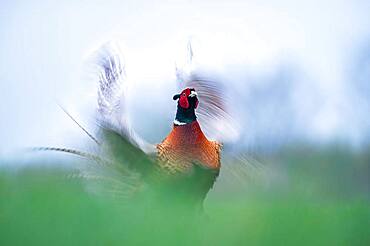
39	206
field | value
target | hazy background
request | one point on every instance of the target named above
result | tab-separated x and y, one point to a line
297	79
295	71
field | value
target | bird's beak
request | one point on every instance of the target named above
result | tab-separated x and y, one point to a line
193	94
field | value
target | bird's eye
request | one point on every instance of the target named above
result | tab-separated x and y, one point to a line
183	94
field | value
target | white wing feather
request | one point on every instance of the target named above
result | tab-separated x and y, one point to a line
213	111
109	65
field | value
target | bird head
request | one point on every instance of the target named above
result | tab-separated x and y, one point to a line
187	99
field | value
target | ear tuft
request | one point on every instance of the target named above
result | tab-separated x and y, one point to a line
177	96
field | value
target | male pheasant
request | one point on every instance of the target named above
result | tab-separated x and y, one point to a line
187	153
185	163
186	144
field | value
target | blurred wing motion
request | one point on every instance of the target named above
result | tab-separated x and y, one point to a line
213	110
109	64
125	172
109	177
124	163
242	170
131	159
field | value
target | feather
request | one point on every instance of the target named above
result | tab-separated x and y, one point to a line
79	125
103	176
112	86
213	110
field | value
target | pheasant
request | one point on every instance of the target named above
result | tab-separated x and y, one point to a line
185	163
186	143
187	151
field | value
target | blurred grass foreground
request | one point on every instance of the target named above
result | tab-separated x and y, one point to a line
297	196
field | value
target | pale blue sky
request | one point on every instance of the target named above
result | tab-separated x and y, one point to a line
319	47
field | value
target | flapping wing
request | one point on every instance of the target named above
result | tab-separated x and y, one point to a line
103	176
243	169
213	111
129	164
109	71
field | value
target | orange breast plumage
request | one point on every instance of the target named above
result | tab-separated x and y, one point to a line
186	146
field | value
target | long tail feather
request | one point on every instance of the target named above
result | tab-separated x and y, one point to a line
69	151
109	178
79	125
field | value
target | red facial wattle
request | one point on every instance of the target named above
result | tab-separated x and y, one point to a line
184	98
184	103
